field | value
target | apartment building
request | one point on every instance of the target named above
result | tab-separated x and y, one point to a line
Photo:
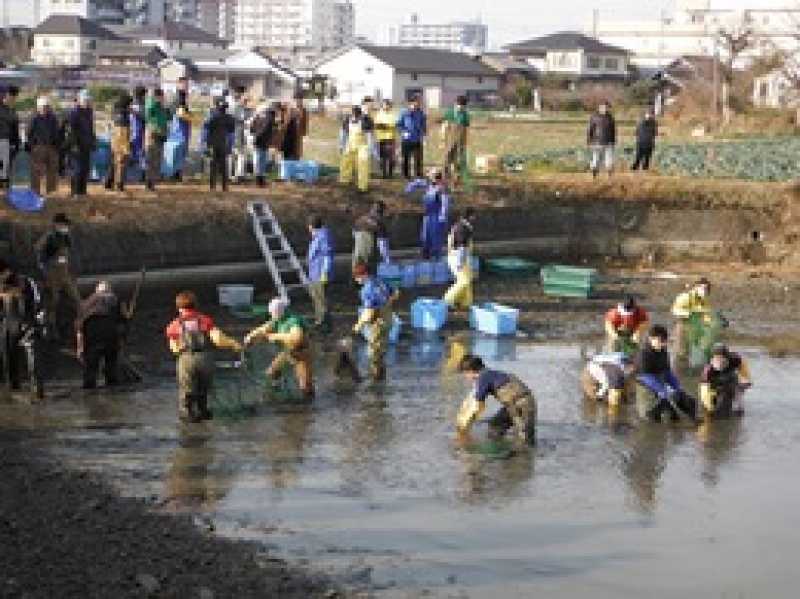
457	36
105	12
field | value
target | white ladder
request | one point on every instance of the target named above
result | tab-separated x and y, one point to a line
276	249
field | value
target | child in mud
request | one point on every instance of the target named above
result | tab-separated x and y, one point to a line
519	405
723	383
606	378
656	377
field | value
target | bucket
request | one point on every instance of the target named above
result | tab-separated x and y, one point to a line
235	295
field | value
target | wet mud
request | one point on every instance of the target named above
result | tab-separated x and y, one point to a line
369	485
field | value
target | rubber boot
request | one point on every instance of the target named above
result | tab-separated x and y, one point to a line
203	410
184	408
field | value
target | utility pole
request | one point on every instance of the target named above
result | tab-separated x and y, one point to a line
595	22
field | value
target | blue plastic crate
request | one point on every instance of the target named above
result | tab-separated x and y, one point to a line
494	348
428	313
306	171
409	274
100	160
441	273
391	274
394	332
426	271
494	319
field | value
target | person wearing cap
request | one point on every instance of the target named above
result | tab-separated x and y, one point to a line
602	138
44	139
605	377
98	330
157	120
288	330
724	381
518	411
460	244
53	254
356	144
625	325
655	375
377	315
690	306
455	126
320	269
371	238
386	135
9	136
21	321
435	220
262	128
82	142
220	130
192	338
120	143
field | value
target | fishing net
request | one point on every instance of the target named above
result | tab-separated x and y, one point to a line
241	386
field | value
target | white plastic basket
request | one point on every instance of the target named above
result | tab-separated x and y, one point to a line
235	295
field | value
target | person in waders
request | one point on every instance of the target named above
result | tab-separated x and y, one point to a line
459	258
519	406
626	326
192	337
691	306
724	381
288	330
371	239
99	329
377	303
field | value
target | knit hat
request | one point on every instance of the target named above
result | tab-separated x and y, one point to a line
360	270
42	101
278	306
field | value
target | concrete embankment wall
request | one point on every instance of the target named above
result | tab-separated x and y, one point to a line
552	229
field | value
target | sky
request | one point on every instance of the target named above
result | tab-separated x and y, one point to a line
514	20
508	20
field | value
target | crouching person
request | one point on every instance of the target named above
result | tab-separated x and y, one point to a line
377	314
519	406
606	377
99	329
288	330
723	383
192	338
660	394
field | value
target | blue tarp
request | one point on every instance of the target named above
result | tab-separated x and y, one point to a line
25	200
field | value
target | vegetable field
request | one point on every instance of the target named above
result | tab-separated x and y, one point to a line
776	159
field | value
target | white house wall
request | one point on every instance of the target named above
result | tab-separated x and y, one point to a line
356	74
441	90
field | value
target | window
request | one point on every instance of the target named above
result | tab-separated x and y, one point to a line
369	70
612	64
69	43
45	43
414	77
593	62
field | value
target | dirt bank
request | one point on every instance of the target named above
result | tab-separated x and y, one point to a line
655	219
67	535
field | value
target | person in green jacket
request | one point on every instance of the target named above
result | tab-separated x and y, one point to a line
157	119
455	125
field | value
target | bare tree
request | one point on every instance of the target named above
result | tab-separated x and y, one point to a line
734	40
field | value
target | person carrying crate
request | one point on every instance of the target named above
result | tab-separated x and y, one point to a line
459	259
288	330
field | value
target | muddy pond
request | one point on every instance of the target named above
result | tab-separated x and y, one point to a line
370	485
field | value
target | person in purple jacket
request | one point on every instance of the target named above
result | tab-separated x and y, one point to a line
320	269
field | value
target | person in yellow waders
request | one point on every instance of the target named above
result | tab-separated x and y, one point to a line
459	258
356	145
687	305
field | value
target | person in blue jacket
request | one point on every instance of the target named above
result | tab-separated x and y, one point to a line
180	131
377	316
320	269
413	127
436	202
656	375
138	130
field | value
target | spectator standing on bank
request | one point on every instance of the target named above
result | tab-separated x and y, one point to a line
646	133
413	126
602	137
81	142
44	141
157	120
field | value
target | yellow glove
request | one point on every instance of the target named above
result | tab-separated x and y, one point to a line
324	279
708	397
469	411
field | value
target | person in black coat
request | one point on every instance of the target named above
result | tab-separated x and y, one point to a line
646	133
9	135
262	128
221	128
44	142
602	137
81	142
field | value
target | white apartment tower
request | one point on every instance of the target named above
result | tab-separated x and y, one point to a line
457	36
106	12
294	24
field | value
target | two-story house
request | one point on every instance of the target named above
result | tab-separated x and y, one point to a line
68	41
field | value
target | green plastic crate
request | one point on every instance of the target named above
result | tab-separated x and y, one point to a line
568	281
511	266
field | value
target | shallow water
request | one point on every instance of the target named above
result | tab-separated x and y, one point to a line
372	486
